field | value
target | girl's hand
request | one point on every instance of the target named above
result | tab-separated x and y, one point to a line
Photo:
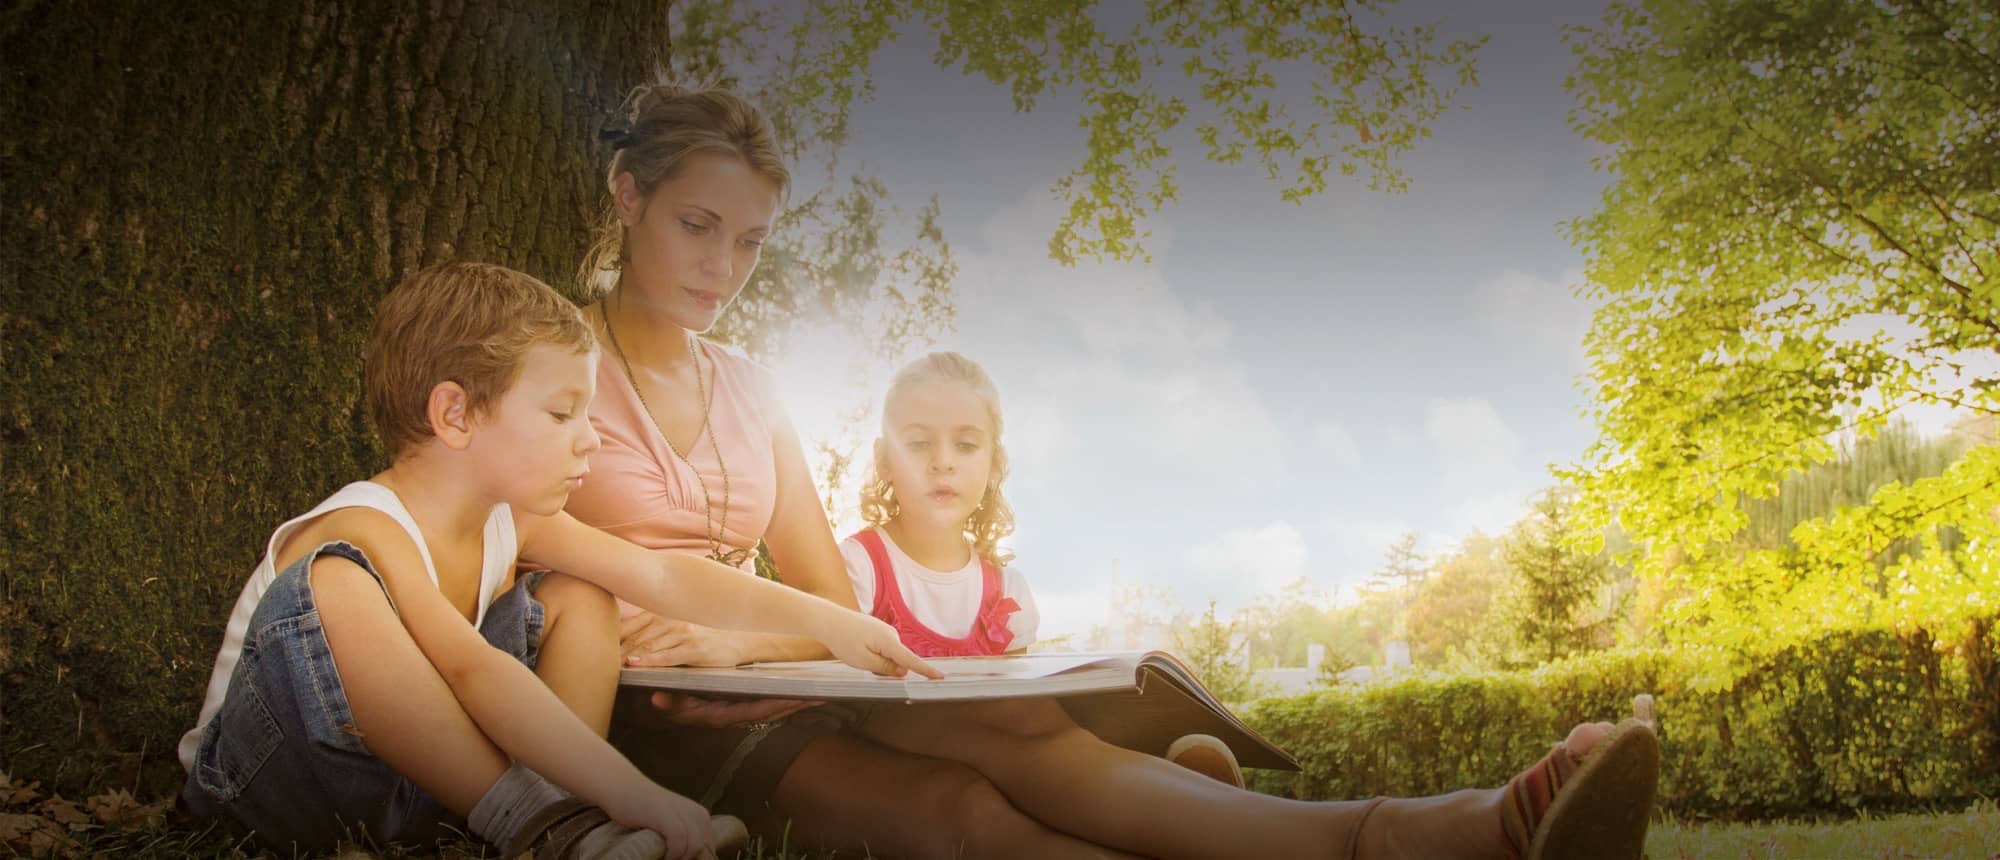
866	642
650	640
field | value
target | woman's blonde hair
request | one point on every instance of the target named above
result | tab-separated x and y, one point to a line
993	519
663	125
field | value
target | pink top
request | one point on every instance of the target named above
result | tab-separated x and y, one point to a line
989	634
640	491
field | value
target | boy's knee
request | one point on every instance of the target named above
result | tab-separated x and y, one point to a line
565	596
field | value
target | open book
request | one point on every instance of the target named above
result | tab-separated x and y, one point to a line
1141	700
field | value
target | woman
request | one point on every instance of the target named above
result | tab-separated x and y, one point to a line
698	456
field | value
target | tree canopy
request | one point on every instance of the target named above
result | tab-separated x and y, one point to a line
1800	237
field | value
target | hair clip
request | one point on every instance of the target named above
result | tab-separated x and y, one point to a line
619	138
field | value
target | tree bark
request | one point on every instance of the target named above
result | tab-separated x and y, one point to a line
203	204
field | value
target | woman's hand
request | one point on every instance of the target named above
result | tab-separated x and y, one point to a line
866	642
650	640
689	710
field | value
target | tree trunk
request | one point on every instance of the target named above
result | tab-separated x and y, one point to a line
203	204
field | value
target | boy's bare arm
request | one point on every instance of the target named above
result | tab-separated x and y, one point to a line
702	591
803	546
509	704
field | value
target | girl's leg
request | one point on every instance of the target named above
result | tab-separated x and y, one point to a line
844	793
579	655
403	710
1070	780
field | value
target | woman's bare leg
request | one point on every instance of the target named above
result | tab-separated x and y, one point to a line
1070	780
847	794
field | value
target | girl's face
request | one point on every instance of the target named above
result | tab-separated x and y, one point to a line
937	444
691	245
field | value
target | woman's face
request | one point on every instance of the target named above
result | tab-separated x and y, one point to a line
691	244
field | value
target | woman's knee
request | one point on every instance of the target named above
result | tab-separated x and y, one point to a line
966	816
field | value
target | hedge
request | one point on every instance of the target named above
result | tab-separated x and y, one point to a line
1861	720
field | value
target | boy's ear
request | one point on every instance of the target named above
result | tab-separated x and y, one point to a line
626	199
449	411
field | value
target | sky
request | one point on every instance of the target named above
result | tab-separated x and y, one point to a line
1285	389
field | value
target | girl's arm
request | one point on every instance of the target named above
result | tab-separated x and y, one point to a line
705	592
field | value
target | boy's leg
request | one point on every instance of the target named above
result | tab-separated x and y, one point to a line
578	657
408	717
404	712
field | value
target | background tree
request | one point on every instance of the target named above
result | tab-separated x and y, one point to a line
1216	651
1554	585
1453	622
1801	235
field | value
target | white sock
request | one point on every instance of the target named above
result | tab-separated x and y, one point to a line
518	794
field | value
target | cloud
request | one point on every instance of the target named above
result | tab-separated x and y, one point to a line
1477	448
1241	564
1115	376
1337	443
1534	315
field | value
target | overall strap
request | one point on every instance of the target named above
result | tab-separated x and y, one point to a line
888	598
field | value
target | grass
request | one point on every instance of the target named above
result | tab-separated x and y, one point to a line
1973	834
114	825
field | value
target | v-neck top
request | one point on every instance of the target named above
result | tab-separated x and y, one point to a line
498	546
639	490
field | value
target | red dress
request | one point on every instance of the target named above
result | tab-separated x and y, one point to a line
989	634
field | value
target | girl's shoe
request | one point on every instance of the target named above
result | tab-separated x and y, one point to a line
1208	756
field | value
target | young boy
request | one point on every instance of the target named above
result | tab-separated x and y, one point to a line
377	675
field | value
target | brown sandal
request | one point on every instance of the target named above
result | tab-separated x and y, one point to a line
1597	808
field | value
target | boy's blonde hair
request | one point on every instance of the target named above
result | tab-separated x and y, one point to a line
468	323
994	519
664	125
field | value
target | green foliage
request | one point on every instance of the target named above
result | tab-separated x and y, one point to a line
1452	623
1214	650
1867	719
1800	236
1307	90
1553	582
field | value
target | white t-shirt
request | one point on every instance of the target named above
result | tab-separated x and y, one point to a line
945	601
499	546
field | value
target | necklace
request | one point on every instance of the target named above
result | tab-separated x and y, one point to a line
715	530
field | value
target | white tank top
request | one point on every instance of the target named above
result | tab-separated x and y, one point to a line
498	550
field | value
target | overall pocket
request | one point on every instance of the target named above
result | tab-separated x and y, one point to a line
240	738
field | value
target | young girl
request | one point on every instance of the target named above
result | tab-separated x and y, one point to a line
930	563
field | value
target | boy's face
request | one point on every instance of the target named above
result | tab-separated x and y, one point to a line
939	450
535	441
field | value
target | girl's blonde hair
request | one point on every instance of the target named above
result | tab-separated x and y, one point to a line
994	519
664	125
